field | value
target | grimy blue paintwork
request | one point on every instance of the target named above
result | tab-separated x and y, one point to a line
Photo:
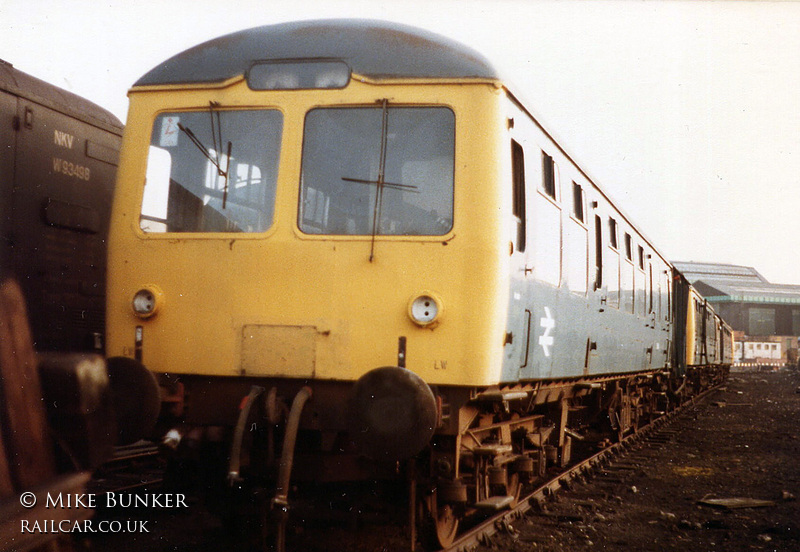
374	49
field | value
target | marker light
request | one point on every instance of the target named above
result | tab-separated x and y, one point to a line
146	301
424	309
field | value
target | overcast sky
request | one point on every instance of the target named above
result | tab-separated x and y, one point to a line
686	113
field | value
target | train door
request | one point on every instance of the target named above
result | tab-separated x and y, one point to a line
8	110
519	319
523	320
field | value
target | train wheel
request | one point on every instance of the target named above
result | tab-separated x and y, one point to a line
446	525
441	521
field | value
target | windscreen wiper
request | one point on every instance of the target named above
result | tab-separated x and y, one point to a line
381	183
216	162
224	173
403	187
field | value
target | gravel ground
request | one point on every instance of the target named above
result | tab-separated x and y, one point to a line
744	444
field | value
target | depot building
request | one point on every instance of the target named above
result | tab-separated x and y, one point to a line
765	316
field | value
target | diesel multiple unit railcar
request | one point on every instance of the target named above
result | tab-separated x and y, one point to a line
58	158
355	238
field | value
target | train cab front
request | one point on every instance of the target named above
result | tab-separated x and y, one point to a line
307	254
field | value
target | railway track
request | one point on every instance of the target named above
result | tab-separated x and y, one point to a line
657	433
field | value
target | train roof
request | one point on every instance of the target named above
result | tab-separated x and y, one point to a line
374	49
21	84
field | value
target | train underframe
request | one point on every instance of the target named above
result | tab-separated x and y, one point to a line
508	439
488	445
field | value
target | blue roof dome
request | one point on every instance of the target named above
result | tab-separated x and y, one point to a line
374	49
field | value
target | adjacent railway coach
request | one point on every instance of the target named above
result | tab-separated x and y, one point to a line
58	160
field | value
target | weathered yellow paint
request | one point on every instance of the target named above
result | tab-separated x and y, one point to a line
218	289
691	325
279	350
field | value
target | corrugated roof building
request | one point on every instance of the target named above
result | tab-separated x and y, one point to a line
745	299
758	310
710	271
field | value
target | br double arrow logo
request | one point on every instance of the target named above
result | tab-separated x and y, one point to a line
548	323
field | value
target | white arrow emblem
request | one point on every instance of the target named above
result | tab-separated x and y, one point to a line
548	323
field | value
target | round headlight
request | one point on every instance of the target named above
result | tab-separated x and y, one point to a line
424	309
146	301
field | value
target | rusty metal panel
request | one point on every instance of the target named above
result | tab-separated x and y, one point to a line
58	159
61	200
45	94
278	350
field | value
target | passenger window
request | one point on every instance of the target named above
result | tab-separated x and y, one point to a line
577	202
628	247
598	257
641	285
612	233
549	176
627	277
518	177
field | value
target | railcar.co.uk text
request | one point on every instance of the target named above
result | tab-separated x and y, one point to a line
91	501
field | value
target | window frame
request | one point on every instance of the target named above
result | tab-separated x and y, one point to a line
628	247
598	253
613	233
519	206
578	203
550	177
362	236
203	111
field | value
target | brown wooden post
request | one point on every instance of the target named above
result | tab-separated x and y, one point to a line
24	423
